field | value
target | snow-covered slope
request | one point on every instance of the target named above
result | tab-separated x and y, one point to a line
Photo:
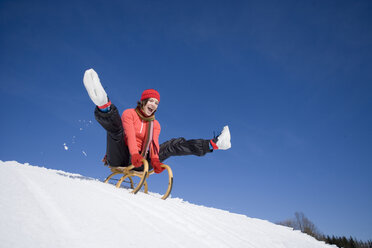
40	207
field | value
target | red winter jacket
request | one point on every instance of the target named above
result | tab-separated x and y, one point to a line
135	130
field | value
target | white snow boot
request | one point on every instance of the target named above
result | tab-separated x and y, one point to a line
94	88
222	141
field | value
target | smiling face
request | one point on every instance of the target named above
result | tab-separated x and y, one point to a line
150	107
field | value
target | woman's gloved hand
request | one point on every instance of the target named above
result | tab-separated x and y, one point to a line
137	160
156	164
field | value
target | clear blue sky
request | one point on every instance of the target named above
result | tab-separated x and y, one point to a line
292	79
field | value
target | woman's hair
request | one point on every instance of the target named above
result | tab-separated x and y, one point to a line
142	103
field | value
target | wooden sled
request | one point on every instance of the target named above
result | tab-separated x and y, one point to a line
143	175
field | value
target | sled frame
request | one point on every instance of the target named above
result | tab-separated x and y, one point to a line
128	172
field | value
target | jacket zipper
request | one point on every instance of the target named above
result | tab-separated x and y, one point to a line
141	126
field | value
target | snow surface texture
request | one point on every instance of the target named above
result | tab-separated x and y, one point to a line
41	207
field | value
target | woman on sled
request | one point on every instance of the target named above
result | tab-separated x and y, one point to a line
135	135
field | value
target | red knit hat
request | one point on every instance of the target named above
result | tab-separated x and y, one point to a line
150	93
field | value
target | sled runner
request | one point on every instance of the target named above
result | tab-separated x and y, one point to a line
128	172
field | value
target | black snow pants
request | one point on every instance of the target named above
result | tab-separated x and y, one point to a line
117	152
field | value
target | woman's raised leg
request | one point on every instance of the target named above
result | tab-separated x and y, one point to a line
116	150
117	153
